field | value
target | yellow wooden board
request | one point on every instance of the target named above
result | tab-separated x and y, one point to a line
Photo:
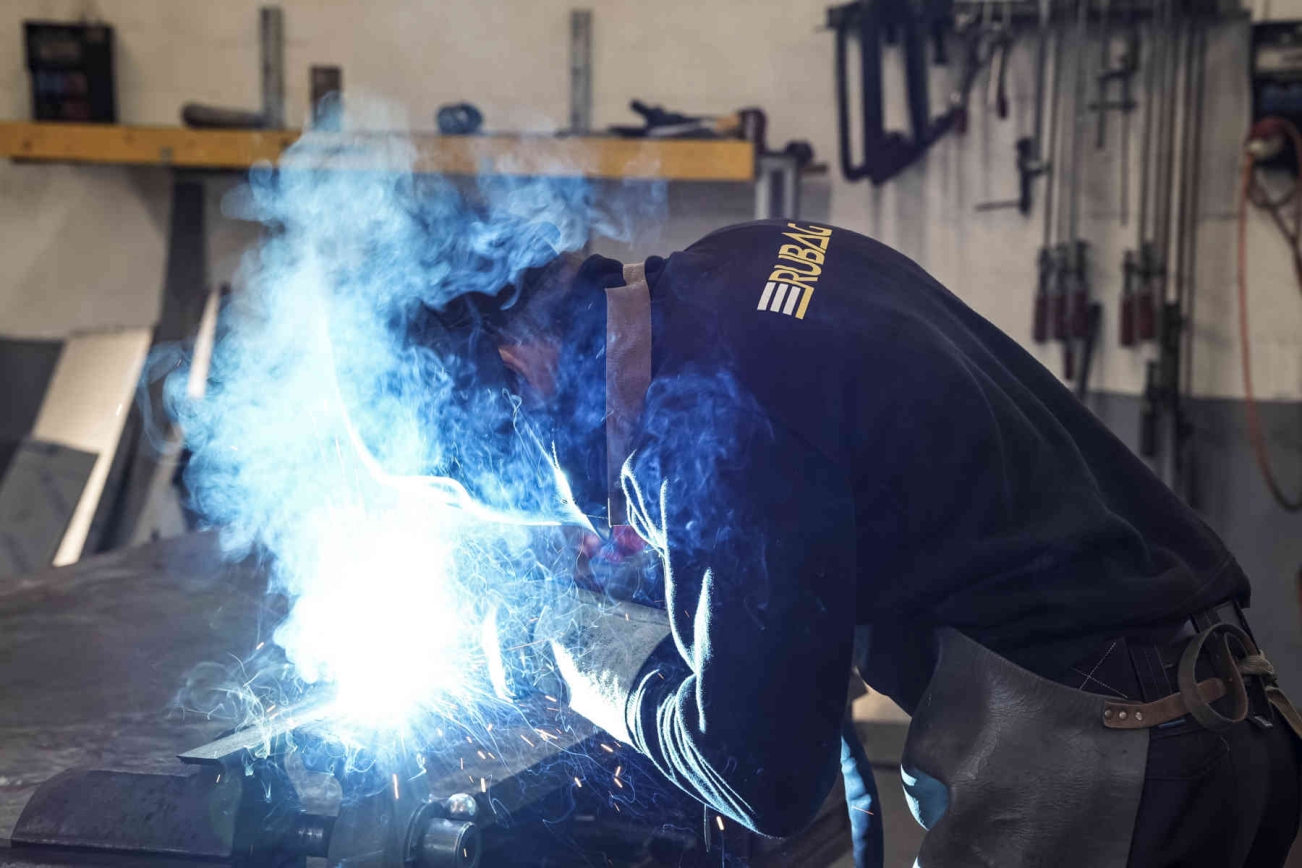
678	160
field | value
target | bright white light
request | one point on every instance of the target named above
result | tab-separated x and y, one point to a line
381	618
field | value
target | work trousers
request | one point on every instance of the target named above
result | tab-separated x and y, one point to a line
1227	799
1221	800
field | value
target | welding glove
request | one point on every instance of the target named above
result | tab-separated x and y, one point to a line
580	645
599	647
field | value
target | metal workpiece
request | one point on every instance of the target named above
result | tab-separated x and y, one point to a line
245	745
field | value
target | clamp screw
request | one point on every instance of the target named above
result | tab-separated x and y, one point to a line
1122	715
1139	715
1107	714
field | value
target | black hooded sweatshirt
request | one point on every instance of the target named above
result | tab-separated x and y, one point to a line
832	440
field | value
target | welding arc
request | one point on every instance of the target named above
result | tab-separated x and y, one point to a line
1267	128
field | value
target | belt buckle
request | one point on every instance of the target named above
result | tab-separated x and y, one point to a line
1259	707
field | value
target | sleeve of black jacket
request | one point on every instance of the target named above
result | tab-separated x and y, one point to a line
755	531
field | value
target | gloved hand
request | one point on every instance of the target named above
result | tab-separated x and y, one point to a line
577	645
599	647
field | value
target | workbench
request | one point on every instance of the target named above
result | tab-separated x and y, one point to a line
94	658
93	655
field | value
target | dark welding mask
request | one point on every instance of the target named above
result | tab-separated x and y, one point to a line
544	461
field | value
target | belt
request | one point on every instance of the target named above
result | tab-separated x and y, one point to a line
1238	670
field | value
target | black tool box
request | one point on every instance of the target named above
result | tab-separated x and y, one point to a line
72	72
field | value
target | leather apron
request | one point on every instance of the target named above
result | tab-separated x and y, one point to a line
1005	768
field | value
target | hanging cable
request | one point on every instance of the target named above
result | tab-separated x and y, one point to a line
1263	135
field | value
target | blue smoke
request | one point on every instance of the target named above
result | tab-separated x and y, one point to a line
388	484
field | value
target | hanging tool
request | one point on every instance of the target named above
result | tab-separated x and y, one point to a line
1001	45
885	153
1029	163
1158	373
1125	67
1137	265
1094	318
1046	269
1028	169
1105	64
1072	298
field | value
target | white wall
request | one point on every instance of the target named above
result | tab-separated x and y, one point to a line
89	241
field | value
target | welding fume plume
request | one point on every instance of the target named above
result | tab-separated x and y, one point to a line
346	453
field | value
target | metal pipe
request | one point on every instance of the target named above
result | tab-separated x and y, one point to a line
580	70
1077	102
271	30
1105	64
1051	153
1184	444
1182	241
1041	72
1146	137
1129	62
1195	195
1165	153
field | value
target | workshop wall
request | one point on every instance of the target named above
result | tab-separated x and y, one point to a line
83	247
510	57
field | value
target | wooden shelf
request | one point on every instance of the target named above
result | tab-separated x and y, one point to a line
592	157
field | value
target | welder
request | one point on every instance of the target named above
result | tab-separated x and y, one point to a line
840	467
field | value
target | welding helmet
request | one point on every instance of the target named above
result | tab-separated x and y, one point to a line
544	460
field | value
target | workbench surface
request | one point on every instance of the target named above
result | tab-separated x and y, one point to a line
93	656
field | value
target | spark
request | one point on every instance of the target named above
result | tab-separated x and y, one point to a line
219	779
607	748
259	646
483	785
578	783
862	810
719	820
550	698
626	616
526	740
617	807
619	783
463	764
468	740
481	755
618	769
396	794
490	728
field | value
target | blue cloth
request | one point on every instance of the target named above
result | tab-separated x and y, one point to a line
866	830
